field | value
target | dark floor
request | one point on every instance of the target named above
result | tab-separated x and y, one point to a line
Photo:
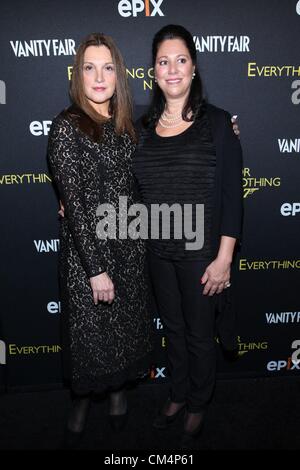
245	414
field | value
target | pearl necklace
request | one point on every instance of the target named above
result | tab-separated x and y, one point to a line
174	120
169	126
170	117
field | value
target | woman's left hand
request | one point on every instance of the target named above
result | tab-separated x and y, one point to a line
235	125
216	277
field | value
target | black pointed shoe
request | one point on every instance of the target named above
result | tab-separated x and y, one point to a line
71	440
118	422
163	421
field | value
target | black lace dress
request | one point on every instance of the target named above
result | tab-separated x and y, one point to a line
103	345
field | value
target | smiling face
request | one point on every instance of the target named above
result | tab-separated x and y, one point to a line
174	69
99	77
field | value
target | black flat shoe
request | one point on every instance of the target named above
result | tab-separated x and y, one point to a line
190	439
162	421
118	422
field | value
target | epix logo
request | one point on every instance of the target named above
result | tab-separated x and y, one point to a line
134	7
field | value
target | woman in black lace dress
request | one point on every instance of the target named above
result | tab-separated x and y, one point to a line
106	320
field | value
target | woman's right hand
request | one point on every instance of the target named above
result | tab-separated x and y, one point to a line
61	209
103	288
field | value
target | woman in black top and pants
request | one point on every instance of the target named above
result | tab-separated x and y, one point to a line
189	154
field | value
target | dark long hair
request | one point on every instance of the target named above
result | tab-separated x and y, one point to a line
120	106
195	98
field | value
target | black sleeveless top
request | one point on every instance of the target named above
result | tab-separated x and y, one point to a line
178	170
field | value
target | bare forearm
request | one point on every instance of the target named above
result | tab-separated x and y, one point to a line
226	248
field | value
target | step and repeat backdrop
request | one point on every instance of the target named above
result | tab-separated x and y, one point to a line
248	55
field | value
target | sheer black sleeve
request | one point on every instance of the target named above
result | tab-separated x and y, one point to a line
64	158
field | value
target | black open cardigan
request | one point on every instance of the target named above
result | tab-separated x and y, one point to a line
228	214
228	210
